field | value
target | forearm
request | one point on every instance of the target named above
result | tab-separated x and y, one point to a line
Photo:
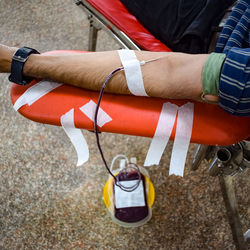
169	77
87	70
174	75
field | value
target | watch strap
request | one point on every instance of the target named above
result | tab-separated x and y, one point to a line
17	64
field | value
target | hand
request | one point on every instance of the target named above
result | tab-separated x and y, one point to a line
6	54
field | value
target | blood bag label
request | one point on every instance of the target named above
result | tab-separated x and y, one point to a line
125	199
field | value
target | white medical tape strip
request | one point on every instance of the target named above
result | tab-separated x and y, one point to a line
127	55
162	133
35	92
89	110
182	139
133	74
76	137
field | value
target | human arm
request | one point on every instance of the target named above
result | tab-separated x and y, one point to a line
174	75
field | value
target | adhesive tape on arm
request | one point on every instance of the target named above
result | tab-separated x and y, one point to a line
133	74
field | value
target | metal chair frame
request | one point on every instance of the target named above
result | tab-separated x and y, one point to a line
225	162
98	22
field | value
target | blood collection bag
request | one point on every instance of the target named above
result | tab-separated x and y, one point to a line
128	206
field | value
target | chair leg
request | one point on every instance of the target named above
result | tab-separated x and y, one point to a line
228	193
92	37
200	153
225	166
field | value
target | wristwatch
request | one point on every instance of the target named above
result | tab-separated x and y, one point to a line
18	61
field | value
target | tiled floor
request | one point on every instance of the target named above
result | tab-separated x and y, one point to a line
46	202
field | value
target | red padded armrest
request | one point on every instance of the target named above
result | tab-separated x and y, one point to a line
117	14
133	115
